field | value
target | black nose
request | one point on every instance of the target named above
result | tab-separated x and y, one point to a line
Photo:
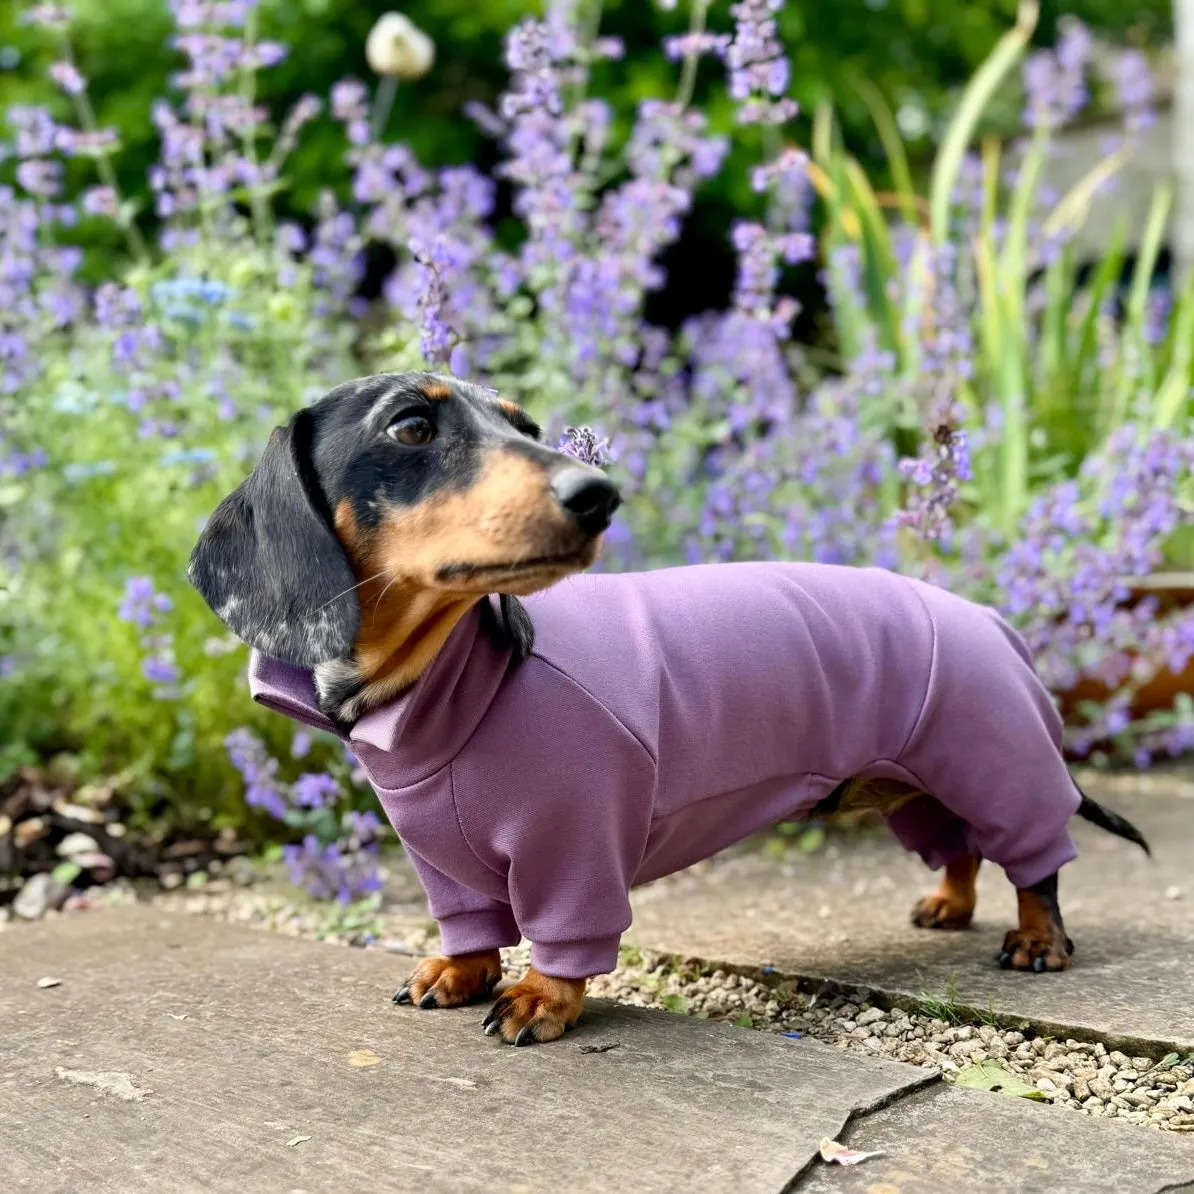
589	496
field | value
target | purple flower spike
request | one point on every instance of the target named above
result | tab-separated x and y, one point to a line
584	444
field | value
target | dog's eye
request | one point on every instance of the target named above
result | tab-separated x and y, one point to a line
412	430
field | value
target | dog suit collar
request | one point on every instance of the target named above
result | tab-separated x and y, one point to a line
415	734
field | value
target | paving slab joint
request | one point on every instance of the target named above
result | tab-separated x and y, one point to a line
861	1111
961	1012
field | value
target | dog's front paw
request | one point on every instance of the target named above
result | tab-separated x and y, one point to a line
1036	949
452	982
536	1009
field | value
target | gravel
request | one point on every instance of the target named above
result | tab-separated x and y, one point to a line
1156	1092
1085	1076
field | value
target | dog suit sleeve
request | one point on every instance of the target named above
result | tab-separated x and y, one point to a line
469	922
572	834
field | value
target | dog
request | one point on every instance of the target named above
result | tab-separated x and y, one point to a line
540	758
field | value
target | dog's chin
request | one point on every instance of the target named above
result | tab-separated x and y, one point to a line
518	578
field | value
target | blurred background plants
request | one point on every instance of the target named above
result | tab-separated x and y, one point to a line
642	241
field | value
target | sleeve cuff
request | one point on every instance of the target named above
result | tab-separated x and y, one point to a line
576	959
1029	871
472	932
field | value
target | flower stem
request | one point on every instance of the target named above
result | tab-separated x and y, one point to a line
688	74
103	166
248	92
383	104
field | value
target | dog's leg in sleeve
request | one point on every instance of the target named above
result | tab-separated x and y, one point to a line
572	845
989	749
472	929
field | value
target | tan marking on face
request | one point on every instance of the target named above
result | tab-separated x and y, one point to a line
344	520
507	516
436	391
511	408
407	610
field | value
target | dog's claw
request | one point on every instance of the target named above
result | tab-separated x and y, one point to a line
1038	965
429	1000
492	1029
526	1036
402	995
1004	959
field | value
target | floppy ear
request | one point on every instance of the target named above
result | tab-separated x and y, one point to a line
269	564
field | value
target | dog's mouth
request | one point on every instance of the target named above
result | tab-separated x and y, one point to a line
455	573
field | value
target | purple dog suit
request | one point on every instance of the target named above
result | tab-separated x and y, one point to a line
664	715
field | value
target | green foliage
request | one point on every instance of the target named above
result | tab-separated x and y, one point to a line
1053	362
916	54
115	503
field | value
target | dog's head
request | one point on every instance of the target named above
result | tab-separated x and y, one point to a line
408	479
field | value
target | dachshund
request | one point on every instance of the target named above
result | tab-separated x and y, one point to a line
408	561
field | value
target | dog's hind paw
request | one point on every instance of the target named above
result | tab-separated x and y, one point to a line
452	982
951	906
536	1009
937	911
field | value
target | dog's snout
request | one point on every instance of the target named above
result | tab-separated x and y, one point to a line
589	496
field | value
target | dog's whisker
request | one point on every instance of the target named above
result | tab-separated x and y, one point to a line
352	588
377	602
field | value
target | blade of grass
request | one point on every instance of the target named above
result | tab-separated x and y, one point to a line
878	259
893	144
1003	339
1174	392
1146	258
1132	334
975	99
1073	207
822	140
1013	264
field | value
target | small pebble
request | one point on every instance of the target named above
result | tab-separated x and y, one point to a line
49	982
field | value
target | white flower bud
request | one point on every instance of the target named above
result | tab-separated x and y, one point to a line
398	48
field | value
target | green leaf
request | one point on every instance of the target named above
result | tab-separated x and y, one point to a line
66	872
990	1075
812	839
675	1003
1168	1061
893	144
744	1022
974	102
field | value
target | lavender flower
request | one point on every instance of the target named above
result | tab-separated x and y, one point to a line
142	604
1133	81
759	70
68	78
1055	81
327	872
585	445
314	789
48	16
696	45
259	770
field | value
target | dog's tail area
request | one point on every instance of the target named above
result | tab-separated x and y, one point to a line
1104	818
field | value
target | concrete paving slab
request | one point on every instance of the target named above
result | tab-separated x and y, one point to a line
182	1054
946	1140
843	914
